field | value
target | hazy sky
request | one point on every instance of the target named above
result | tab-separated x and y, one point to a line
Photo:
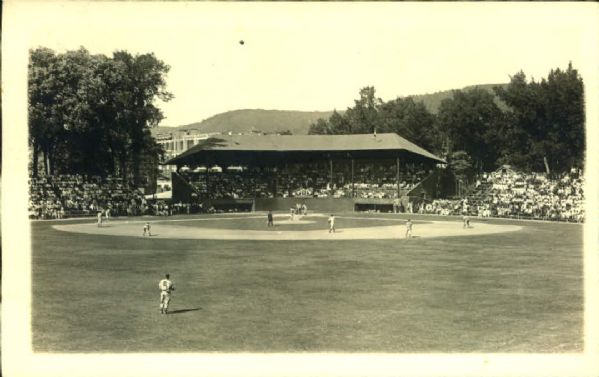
318	56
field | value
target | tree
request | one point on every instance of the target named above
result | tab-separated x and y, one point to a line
339	124
91	113
84	148
47	105
402	116
470	121
545	121
320	127
460	164
564	104
409	119
143	82
363	118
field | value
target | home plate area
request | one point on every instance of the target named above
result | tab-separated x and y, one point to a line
309	227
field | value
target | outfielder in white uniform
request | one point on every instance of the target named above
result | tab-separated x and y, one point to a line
166	287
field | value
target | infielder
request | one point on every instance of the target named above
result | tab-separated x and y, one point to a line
331	223
147	229
409	228
166	287
270	220
99	218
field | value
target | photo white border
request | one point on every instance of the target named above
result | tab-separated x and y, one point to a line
20	21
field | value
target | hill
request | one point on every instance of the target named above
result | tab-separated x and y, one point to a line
432	101
267	121
296	122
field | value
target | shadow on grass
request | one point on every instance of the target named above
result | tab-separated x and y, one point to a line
183	311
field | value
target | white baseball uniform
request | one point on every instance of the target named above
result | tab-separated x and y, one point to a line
408	229
166	286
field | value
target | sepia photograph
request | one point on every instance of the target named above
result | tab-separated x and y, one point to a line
267	189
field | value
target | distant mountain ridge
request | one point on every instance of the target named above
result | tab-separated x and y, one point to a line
254	120
295	122
432	101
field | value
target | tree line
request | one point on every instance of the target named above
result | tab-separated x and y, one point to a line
531	125
92	114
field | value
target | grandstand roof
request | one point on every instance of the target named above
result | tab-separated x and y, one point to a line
272	146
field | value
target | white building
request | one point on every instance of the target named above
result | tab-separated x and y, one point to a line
177	142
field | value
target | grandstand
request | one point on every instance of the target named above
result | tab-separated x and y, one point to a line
336	173
72	195
512	194
326	172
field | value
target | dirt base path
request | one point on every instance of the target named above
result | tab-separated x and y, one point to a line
169	230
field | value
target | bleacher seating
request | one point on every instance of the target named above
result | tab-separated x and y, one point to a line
76	195
507	193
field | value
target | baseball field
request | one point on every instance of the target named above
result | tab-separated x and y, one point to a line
499	286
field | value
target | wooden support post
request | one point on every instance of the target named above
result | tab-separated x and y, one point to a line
208	181
397	177
353	185
253	188
276	181
331	175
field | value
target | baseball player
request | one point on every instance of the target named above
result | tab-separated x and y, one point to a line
99	218
166	287
147	229
270	220
409	228
331	223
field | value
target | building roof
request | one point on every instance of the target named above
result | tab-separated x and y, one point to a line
300	145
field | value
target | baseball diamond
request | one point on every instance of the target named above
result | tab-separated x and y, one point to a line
499	286
185	229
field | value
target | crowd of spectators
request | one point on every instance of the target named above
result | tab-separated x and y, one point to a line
304	181
507	193
231	183
503	193
44	201
55	197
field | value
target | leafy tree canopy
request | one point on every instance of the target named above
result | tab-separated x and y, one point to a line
92	113
536	122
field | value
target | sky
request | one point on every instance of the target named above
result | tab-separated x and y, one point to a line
317	56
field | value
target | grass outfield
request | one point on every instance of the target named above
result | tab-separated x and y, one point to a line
510	292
